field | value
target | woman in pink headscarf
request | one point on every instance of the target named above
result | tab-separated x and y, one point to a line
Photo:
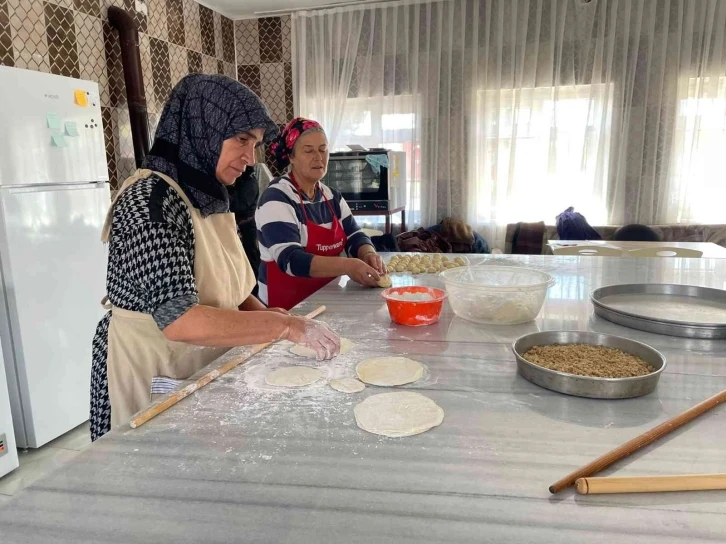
306	232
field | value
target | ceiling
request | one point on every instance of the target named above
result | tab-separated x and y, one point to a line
244	9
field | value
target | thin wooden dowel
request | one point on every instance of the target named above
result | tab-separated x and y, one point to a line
155	409
638	442
651	484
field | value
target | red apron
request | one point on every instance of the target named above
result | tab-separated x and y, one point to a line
285	291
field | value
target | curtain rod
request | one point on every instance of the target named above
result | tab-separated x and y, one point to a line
333	5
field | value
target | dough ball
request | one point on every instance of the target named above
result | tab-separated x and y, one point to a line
400	268
398	414
293	376
385	281
347	385
431	270
389	371
460	261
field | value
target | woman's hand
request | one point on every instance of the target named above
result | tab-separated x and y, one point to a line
312	334
362	273
374	260
277	310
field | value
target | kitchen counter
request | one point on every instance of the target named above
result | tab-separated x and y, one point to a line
243	462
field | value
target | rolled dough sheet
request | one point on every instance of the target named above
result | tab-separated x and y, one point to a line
398	414
389	371
345	347
293	376
670	307
347	385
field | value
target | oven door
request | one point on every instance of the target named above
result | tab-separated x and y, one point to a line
356	179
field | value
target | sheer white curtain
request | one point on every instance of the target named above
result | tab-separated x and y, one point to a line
514	110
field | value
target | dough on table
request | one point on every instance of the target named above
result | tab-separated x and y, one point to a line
388	371
345	347
293	376
398	414
385	281
347	385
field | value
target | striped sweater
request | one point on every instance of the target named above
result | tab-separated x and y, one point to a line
282	233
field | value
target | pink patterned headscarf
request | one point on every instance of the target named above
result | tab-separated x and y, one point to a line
282	146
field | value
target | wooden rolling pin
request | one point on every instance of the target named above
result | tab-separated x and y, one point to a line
155	409
651	484
638	442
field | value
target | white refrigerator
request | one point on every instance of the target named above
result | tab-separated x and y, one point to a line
54	195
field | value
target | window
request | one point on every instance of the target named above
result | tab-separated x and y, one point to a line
697	190
381	121
540	150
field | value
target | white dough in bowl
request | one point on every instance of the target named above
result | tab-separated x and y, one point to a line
389	371
345	347
411	297
293	376
347	385
398	414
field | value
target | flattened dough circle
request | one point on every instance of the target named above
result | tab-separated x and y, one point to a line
398	414
293	376
388	371
347	385
345	347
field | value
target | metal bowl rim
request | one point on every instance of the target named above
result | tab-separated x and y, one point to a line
520	358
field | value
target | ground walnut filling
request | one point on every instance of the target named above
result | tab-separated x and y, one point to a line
585	360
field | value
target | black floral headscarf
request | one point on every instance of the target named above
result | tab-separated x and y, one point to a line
281	148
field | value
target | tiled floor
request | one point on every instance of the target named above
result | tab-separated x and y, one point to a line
36	463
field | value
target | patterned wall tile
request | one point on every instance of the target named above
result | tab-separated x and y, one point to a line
218	44
114	68
209	64
140	17
160	69
230	70
27	22
6	38
286	23
125	160
206	23
220	67
270	29
175	21
89	7
192	25
178	63
63	3
109	140
158	20
194	61
61	31
249	74
152	104
227	39
272	87
153	123
247	40
105	4
91	53
289	94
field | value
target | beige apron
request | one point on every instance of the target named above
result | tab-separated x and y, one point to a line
137	349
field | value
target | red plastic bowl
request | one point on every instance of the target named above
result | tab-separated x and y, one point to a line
414	313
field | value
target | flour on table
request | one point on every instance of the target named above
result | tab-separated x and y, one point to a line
398	414
345	347
347	385
293	376
389	371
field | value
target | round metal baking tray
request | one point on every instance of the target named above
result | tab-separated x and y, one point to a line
584	386
707	331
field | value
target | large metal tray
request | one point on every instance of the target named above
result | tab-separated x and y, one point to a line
708	331
584	386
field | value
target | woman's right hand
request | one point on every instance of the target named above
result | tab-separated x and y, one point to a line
313	334
361	273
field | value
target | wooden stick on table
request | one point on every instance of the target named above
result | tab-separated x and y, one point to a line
154	410
651	484
638	442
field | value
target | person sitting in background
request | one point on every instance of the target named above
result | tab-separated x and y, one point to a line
306	231
636	233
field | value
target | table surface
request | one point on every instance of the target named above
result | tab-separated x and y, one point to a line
709	249
243	462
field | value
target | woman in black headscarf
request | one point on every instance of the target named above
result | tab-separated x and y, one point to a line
178	282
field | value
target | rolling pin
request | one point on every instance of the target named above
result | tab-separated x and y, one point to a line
155	409
631	446
651	484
